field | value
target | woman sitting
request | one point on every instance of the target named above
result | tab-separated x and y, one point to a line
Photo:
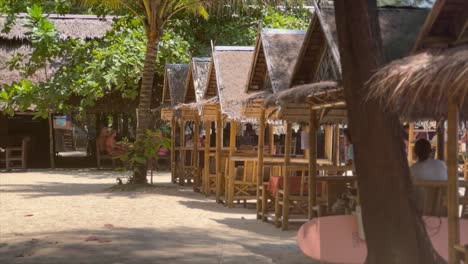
427	169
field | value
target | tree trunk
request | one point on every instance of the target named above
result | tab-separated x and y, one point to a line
394	231
146	90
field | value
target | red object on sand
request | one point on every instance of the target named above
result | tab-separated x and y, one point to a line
109	225
335	239
92	238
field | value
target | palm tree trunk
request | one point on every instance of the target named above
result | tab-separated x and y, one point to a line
146	90
394	231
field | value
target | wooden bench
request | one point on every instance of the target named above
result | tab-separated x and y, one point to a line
12	155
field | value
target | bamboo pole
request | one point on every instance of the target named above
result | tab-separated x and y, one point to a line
271	137
440	140
219	181
328	142
173	139
287	158
452	171
196	170
207	158
312	163
182	152
261	143
231	177
410	143
336	145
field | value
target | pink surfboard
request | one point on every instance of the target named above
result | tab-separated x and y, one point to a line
335	239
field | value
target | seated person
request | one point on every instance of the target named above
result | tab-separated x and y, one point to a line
102	140
111	147
427	169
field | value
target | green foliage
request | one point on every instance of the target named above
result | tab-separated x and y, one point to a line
145	148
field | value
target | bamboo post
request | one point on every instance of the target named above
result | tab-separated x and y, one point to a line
312	163
182	152
271	137
219	131
336	145
410	143
196	165
173	139
328	142
452	171
287	157
261	142
229	192
207	158
441	140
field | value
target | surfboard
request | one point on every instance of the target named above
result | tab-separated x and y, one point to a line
335	239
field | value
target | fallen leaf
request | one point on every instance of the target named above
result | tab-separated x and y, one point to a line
92	238
28	215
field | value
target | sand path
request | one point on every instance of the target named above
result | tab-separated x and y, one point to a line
70	216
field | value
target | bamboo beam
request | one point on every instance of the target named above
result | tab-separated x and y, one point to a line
261	143
182	152
452	171
230	182
195	140
219	131
410	143
173	156
206	188
312	163
287	158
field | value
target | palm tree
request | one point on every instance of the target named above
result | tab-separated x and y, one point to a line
154	14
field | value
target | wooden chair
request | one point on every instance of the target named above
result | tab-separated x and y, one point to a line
14	155
242	185
100	157
462	253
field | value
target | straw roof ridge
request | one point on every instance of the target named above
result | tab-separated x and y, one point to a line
232	65
176	75
399	27
299	94
281	48
199	72
74	26
420	86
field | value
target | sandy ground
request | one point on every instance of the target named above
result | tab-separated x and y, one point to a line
71	216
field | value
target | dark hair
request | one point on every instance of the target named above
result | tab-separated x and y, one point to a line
422	149
347	134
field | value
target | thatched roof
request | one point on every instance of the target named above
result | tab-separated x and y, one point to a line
175	76
299	94
196	79
445	26
75	26
319	58
232	65
419	86
276	54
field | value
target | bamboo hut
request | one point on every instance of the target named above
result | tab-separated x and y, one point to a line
173	94
17	42
432	84
187	113
319	61
231	66
276	53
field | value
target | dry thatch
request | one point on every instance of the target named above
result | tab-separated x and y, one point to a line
299	94
196	79
319	58
420	86
174	83
232	65
75	26
276	54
